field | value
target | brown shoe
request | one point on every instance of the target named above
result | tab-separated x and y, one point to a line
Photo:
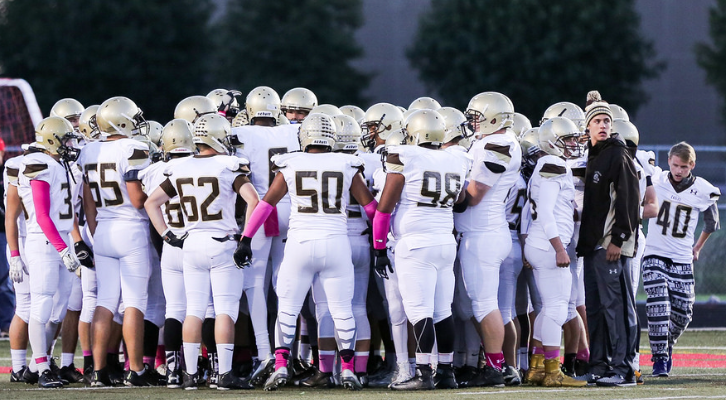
536	373
555	378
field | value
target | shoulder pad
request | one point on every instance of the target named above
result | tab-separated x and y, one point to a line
35	169
502	151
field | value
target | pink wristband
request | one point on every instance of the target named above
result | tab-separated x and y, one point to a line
258	217
14	253
381	226
370	209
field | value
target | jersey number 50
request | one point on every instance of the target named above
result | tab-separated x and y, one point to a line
326	177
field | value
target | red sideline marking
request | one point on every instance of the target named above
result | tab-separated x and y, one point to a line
699	360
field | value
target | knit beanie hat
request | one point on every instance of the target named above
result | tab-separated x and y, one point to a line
596	105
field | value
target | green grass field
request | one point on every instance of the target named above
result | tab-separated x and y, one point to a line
699	373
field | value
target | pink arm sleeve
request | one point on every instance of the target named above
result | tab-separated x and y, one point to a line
370	209
41	202
258	217
381	225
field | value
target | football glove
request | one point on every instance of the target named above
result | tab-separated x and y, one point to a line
84	254
17	269
243	253
69	259
382	263
174	240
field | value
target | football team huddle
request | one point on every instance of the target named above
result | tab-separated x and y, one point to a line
286	242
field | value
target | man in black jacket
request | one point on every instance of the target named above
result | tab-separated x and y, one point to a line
608	237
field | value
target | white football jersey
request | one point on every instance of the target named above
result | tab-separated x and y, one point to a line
497	160
260	144
42	167
318	185
516	198
551	197
578	167
11	174
151	178
433	181
356	214
671	233
104	164
207	190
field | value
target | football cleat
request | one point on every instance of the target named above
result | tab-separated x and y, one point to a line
660	367
349	380
263	369
17	377
30	377
362	378
277	379
464	374
319	380
554	377
615	380
70	374
56	371
669	364
511	376
228	380
173	378
213	380
639	377
100	378
444	377
48	380
190	381
423	380
403	373
132	378
488	377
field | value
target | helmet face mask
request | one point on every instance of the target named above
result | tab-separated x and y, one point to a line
559	137
55	135
380	121
489	112
457	125
87	125
121	116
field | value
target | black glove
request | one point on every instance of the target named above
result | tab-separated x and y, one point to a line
173	240
243	253
84	254
382	263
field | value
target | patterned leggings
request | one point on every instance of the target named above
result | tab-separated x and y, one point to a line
670	290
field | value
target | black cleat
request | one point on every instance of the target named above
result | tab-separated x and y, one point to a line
100	378
444	377
581	367
423	380
30	377
229	381
511	376
173	378
190	381
465	374
48	380
488	376
56	371
88	375
262	370
17	377
70	374
362	378
319	380
134	379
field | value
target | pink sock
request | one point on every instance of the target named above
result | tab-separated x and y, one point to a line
495	360
160	355
537	350
361	361
87	353
149	360
349	365
552	354
281	356
327	359
583	355
127	365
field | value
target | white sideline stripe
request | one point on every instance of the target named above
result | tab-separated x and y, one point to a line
671	398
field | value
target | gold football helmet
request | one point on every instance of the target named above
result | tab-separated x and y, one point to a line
328	109
194	107
55	135
87	123
529	139
457	126
317	129
619	113
155	131
298	99
425	127
558	137
626	130
490	112
381	120
354	111
240	119
347	133
213	130
70	109
424	103
225	100
177	137
262	102
121	116
571	111
521	124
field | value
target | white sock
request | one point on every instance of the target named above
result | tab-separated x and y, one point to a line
225	354
263	345
191	352
523	358
636	362
18	357
38	344
66	359
32	366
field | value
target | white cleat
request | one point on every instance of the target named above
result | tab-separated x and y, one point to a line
404	373
277	379
350	380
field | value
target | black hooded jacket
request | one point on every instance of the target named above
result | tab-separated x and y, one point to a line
610	212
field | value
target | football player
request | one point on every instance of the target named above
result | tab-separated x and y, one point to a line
207	186
49	222
424	183
486	240
226	102
318	245
670	251
551	194
112	203
194	107
297	103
